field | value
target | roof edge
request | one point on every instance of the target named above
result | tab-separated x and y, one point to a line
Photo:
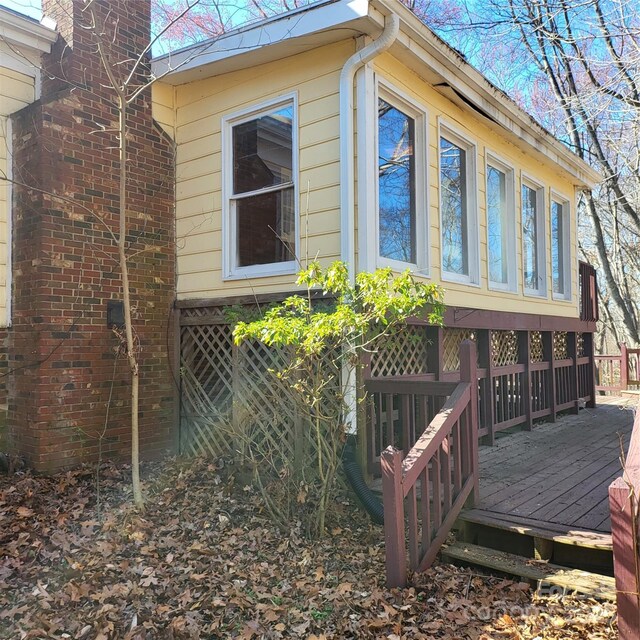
198	46
490	95
273	33
22	31
479	92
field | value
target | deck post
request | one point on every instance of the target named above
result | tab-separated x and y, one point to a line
434	352
486	362
572	352
364	437
589	352
393	501
469	373
550	357
624	533
524	357
235	390
624	367
175	372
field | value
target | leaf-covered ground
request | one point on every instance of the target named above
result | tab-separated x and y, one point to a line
204	562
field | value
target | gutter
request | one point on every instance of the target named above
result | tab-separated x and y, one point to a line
347	171
479	91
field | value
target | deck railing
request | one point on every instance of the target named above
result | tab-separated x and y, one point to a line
619	372
624	493
430	481
523	376
588	292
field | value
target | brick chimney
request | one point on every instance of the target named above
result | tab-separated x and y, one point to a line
62	354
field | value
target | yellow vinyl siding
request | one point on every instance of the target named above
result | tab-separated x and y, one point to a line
200	106
487	138
17	90
199	109
163	107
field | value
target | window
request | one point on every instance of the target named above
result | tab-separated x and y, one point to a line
396	184
500	225
533	245
260	191
560	249
457	209
401	189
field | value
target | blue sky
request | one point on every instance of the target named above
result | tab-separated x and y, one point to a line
28	7
33	8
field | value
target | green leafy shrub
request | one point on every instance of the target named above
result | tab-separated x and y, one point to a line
324	342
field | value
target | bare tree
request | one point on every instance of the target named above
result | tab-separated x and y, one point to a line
127	80
577	72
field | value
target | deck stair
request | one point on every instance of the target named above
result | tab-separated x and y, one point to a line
549	578
565	545
472	520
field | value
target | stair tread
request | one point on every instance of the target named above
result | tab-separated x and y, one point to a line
591	584
562	534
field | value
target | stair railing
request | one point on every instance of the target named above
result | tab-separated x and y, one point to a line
432	483
624	501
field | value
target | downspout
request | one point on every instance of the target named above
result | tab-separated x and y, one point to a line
347	177
348	248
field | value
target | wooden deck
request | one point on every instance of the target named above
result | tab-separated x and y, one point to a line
553	482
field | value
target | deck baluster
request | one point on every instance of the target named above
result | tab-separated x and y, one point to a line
435	463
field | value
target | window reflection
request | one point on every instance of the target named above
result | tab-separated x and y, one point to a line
263	193
396	184
453	203
497	225
530	237
557	248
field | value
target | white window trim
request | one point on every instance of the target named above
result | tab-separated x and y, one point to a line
493	160
541	216
565	203
406	104
230	271
460	139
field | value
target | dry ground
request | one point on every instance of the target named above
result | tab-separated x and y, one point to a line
204	562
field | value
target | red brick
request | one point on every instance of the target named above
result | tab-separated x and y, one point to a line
59	351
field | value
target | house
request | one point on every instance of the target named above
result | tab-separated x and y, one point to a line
348	130
343	130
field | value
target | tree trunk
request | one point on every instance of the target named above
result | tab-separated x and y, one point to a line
128	325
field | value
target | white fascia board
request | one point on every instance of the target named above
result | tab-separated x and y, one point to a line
272	39
18	31
418	40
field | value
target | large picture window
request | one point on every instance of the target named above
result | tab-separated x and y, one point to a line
533	246
560	249
500	225
457	209
396	184
261	191
400	174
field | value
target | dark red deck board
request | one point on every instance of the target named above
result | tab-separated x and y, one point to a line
560	472
583	497
551	480
598	517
